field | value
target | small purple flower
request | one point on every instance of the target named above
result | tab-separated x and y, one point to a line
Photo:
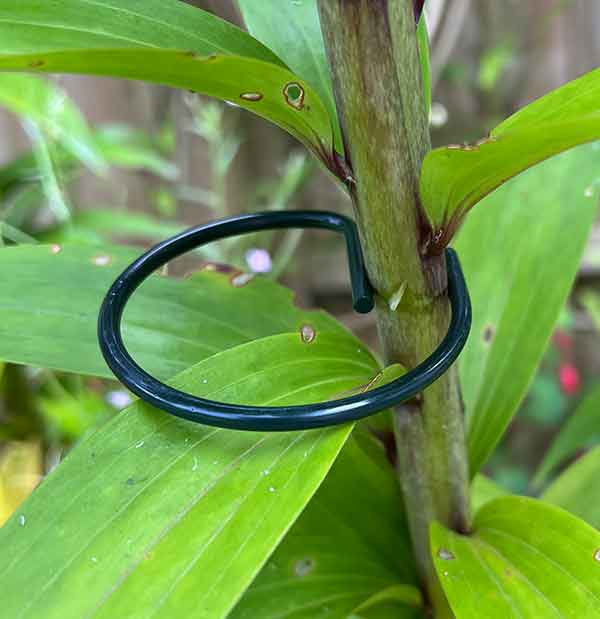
119	399
259	260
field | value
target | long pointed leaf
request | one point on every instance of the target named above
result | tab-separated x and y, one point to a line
48	25
336	558
156	517
51	296
455	178
165	42
520	252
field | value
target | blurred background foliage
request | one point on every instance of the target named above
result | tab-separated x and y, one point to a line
93	160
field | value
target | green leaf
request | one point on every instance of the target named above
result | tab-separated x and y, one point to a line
165	42
581	430
484	490
47	25
529	237
50	108
575	99
455	178
577	489
293	31
51	296
525	559
11	233
397	602
155	516
337	559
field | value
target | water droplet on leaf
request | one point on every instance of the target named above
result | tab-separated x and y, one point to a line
302	567
101	261
445	555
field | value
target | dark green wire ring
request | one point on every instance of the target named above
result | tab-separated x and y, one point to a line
275	418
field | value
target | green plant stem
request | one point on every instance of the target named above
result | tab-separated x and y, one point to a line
372	50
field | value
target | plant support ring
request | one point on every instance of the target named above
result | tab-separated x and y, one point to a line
275	418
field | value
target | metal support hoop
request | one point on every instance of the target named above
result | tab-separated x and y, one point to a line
275	418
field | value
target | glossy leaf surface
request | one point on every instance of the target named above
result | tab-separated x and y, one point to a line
155	516
525	560
348	554
164	42
577	489
519	283
51	296
48	25
455	178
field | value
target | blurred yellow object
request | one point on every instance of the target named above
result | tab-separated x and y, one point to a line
20	473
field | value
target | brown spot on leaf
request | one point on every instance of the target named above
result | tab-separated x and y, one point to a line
251	96
308	334
36	64
471	147
488	334
294	95
219	267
